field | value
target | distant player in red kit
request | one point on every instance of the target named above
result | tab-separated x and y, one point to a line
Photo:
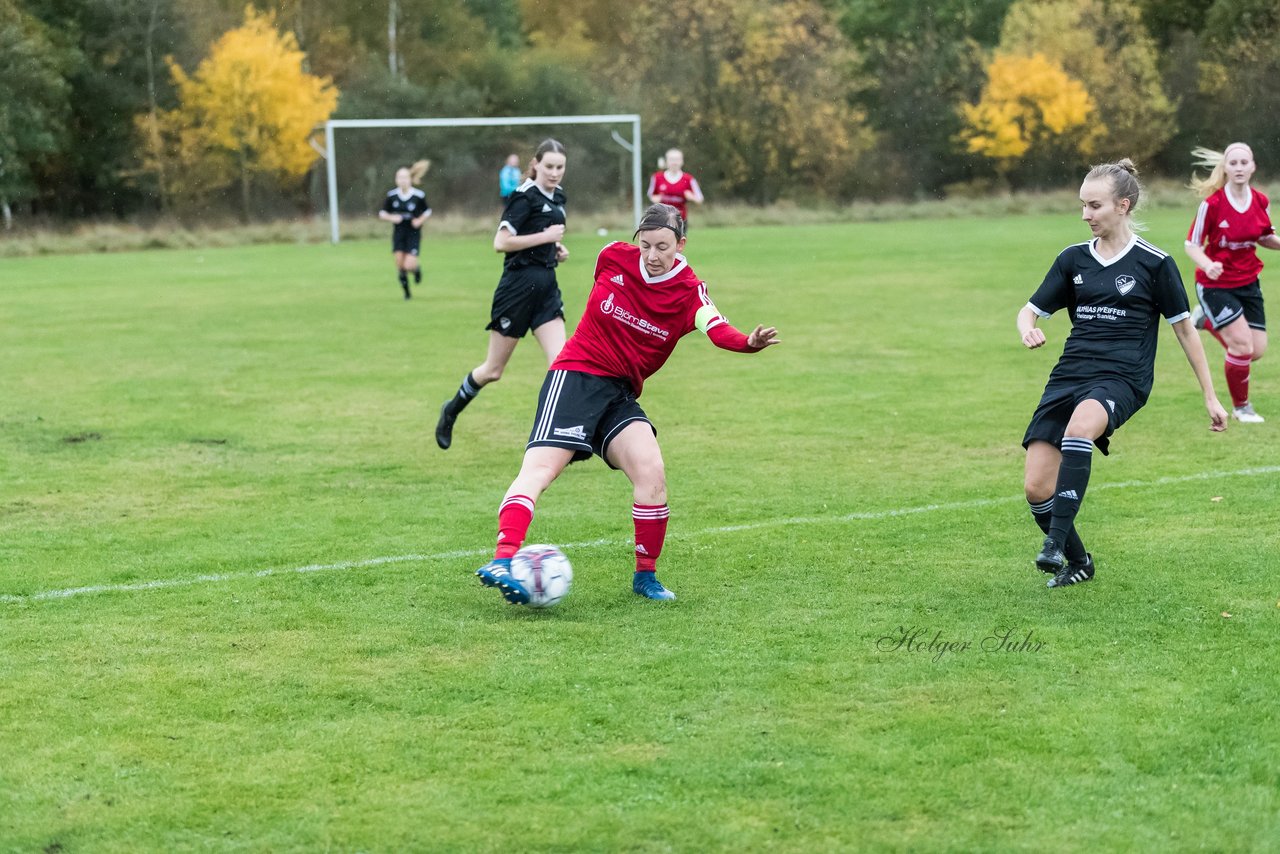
673	186
1230	224
644	300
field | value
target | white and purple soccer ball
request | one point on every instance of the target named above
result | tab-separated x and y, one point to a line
545	572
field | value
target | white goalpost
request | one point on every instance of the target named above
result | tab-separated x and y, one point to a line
331	159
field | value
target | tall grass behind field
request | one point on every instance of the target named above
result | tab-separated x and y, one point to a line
201	232
237	609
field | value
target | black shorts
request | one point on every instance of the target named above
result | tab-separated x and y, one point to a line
526	298
1224	305
1049	423
406	240
583	413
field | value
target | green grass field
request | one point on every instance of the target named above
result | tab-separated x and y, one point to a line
237	610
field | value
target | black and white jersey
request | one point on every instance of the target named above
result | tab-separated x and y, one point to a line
529	211
411	206
1114	306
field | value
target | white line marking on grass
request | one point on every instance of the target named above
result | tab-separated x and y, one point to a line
163	583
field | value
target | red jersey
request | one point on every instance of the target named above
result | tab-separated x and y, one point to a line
633	320
672	192
1230	235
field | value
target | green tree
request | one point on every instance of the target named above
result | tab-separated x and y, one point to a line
1105	46
1236	97
247	113
759	91
33	103
105	43
922	59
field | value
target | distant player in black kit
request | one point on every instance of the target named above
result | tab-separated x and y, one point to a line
407	208
528	295
1115	287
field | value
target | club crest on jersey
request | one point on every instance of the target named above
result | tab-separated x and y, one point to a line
1124	284
607	305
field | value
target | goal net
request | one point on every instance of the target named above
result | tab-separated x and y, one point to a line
604	166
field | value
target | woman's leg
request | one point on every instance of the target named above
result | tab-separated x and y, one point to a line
541	466
1239	339
400	272
1088	422
550	336
635	451
1039	481
495	361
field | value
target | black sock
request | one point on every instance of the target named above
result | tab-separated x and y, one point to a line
1074	547
465	394
404	279
1073	478
417	276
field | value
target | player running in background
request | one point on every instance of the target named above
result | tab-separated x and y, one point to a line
645	298
528	295
673	186
1230	224
1115	287
407	208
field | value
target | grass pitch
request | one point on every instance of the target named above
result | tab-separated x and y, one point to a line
237	609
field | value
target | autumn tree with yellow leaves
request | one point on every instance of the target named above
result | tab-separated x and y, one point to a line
1105	46
1032	115
245	115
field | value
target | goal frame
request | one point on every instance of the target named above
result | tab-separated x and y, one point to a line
331	159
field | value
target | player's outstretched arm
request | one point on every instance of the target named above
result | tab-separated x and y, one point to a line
1270	241
726	337
1190	341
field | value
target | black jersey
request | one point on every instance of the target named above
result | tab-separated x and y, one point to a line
1114	307
411	207
529	211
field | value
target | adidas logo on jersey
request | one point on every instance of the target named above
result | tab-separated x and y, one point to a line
1079	279
1224	224
1068	493
617	280
546	208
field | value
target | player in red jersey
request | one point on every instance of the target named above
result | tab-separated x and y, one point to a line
1230	224
645	299
673	186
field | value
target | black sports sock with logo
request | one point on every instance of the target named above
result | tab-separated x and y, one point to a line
1073	479
1074	547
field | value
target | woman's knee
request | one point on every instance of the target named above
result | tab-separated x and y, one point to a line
1037	489
487	373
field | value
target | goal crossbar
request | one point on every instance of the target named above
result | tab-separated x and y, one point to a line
331	163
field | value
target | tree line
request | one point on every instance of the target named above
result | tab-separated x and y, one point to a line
149	108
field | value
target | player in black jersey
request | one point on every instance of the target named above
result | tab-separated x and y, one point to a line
407	208
528	295
1115	288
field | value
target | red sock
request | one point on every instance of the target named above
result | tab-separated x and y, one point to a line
514	517
651	530
1237	371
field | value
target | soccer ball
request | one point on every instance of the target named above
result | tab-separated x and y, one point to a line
545	573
